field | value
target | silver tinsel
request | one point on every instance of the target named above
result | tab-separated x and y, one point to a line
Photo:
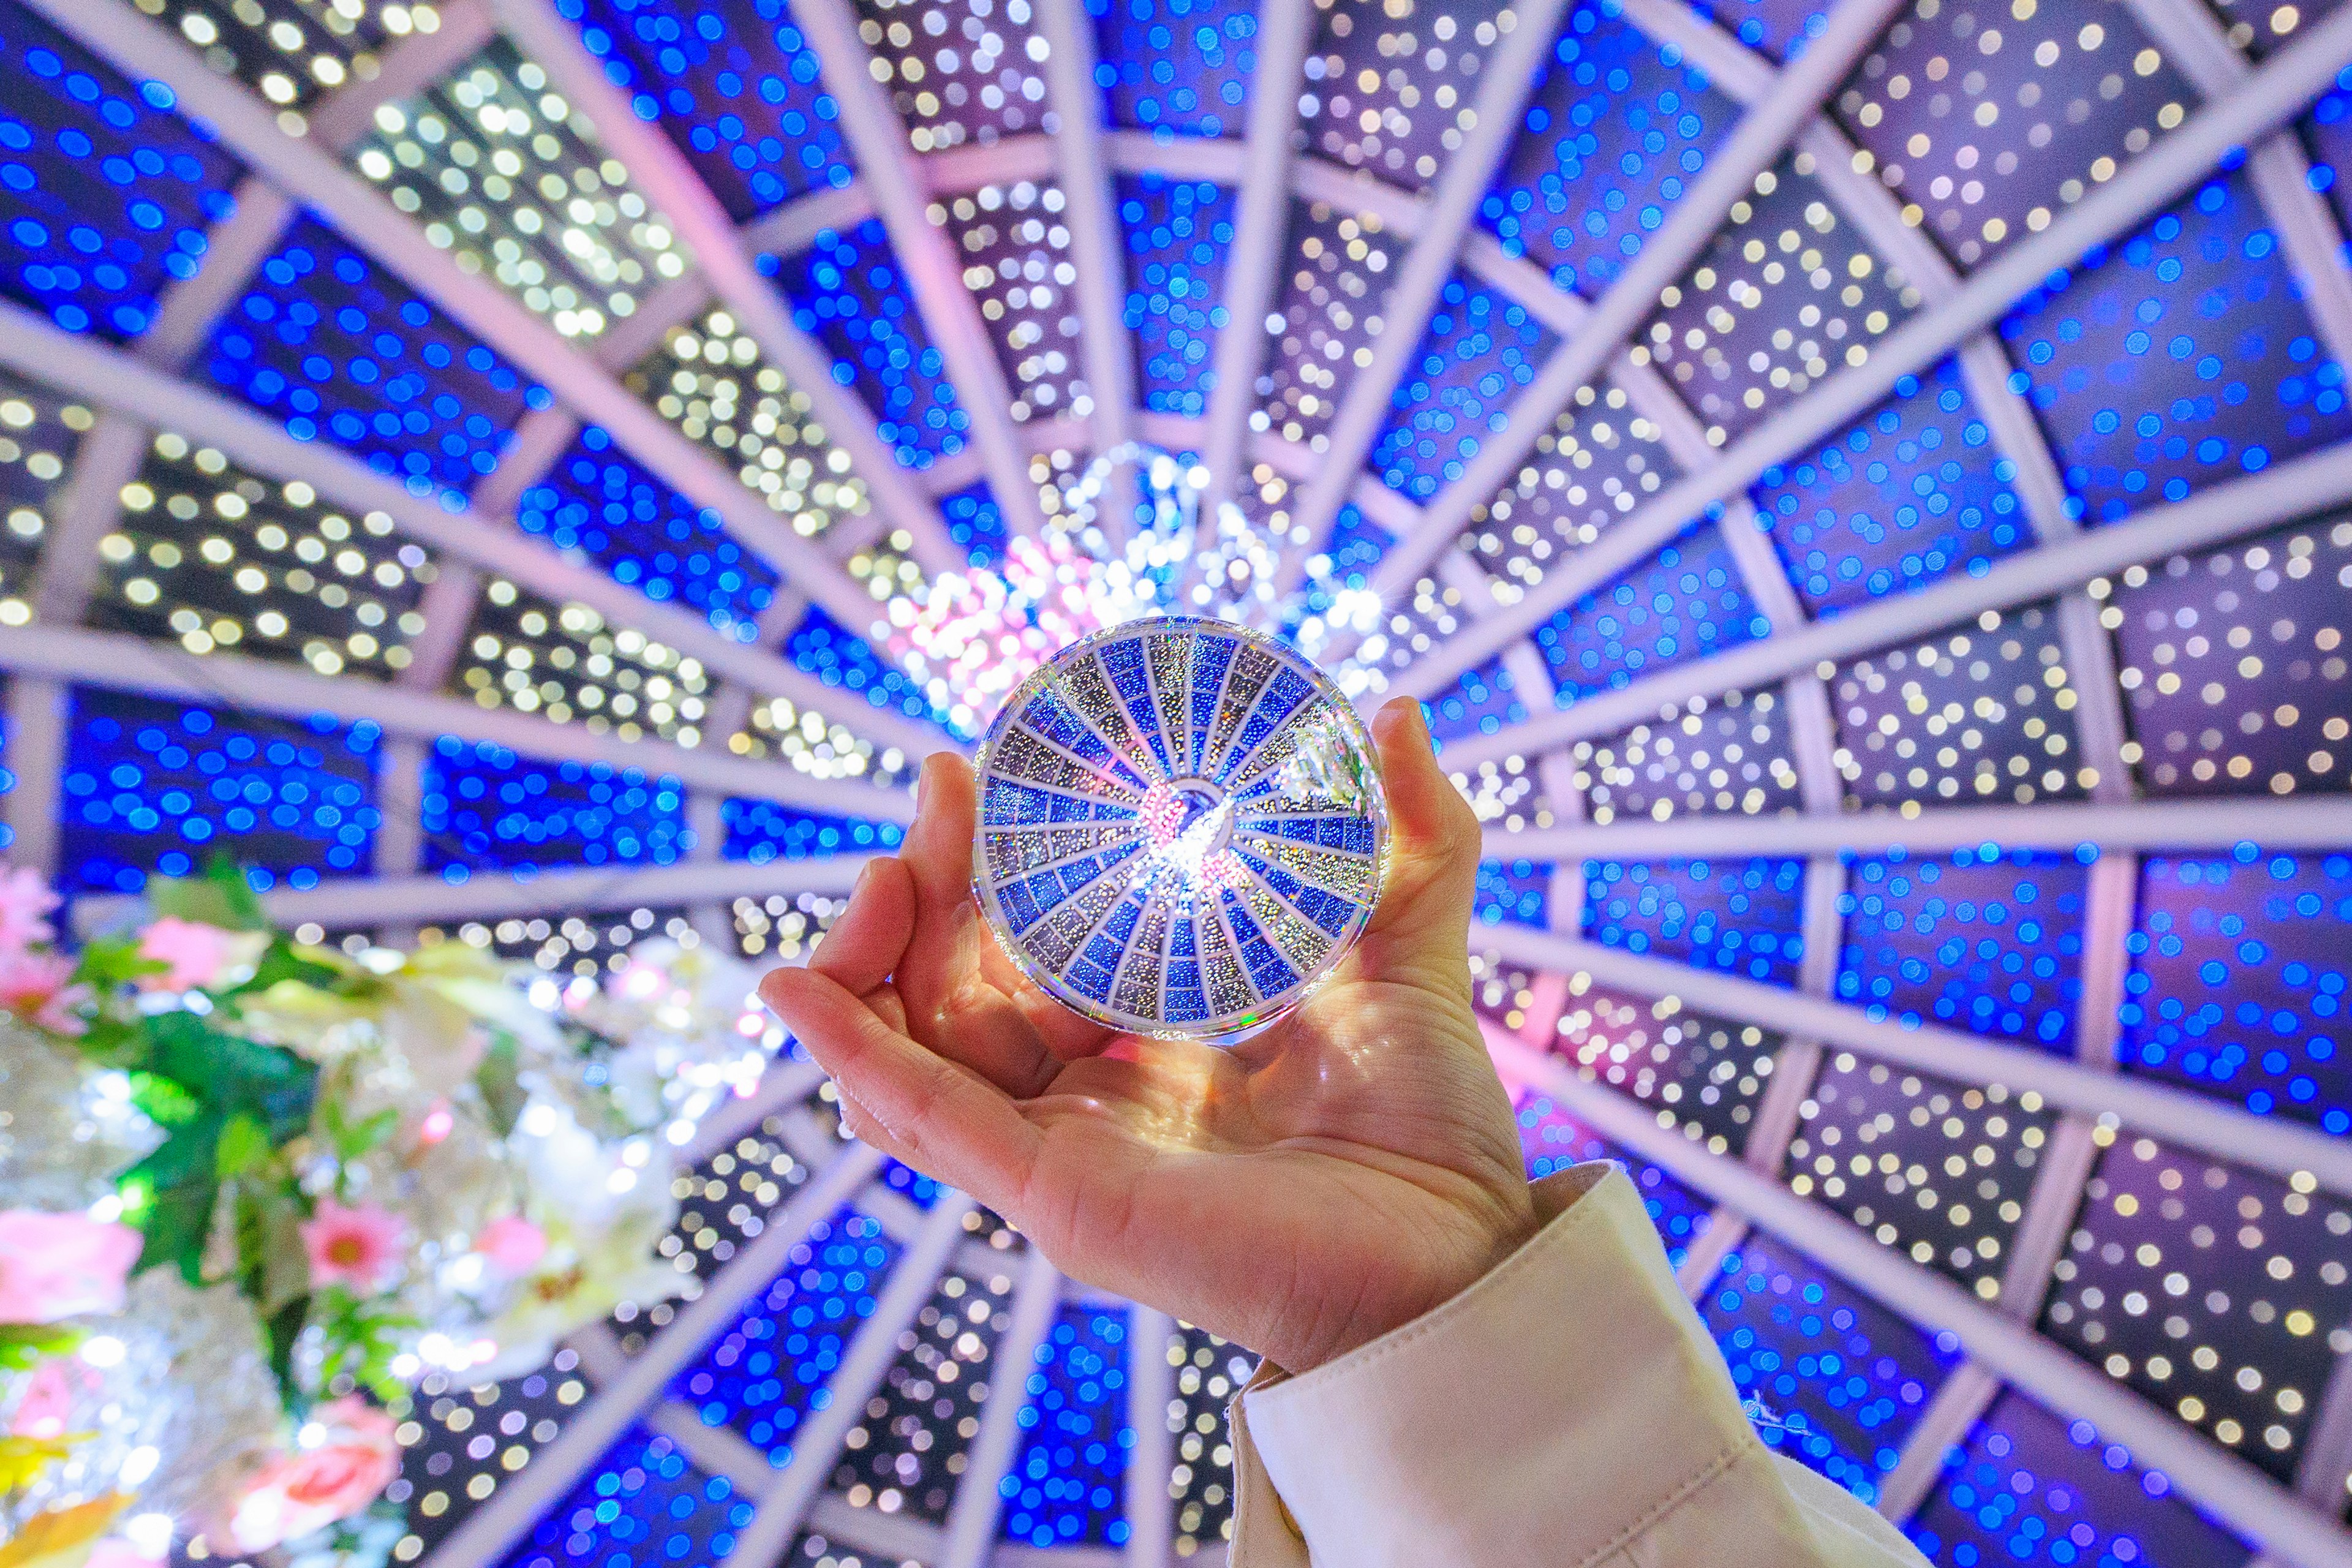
64	1137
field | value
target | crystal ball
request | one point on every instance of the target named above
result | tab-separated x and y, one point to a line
1181	828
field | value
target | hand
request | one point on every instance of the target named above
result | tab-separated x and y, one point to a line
1303	1193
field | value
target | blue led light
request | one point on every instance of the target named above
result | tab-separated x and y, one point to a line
1176	67
976	523
760	831
105	195
1613	138
1836	1381
1514	890
1480	703
156	786
1979	939
1066	1490
485	808
735	84
1553	1140
1479	353
1179	233
641	1505
2175	359
848	291
763	1375
1911	494
1689	601
598	502
2238	981
839	659
346	353
1779	27
1743	916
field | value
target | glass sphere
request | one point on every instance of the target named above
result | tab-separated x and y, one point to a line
1181	828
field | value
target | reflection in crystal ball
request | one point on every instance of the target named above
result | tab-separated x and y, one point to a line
1181	827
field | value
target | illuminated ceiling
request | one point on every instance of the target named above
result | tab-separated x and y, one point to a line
1859	490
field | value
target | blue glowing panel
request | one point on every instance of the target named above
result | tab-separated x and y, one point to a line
1176	67
910	1183
1734	756
1552	1141
1689	601
1390	89
1833	1379
1779	27
840	658
1067	1487
1179	233
760	831
2327	136
1478	354
1913	493
1480	703
1978	939
2175	359
2031	1488
342	352
105	193
7	784
734	83
598	502
1614	134
847	292
1745	916
160	787
486	808
1356	546
2238	977
1514	890
976	523
764	1374
642	1504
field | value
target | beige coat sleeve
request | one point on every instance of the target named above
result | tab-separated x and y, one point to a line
1568	1411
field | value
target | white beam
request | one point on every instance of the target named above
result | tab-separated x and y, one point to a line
121	663
670	183
1220	161
1951	1415
2279	89
934	272
1506	78
311	175
1756	142
1253	265
2214	517
486	1535
35	348
784	1085
1152	1463
2294	822
2148	1105
2221	1484
970	1534
1092	212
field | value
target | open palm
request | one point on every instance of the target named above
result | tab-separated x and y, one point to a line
1303	1193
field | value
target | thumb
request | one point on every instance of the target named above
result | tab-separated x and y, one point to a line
1435	843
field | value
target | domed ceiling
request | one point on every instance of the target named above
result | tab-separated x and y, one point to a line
1861	492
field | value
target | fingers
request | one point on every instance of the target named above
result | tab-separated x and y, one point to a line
940	1118
870	935
1434	841
938	851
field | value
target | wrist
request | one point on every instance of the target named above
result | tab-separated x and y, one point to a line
1422	1280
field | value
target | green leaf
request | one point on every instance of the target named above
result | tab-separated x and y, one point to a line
221	897
244	1147
280	962
275	1084
498	1078
108	963
282	1330
24	1346
177	1219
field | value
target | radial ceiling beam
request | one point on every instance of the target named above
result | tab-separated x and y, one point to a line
2279	89
1152	1463
311	174
670	182
1253	266
2279	494
491	1530
1760	138
2146	1105
112	661
1108	350
971	1527
2232	1491
893	178
1506	80
34	347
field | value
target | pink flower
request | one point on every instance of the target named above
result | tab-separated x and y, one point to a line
353	1246
353	1459
511	1244
116	1553
47	1403
197	953
56	1266
33	986
25	898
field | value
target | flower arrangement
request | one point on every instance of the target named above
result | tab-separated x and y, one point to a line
251	1191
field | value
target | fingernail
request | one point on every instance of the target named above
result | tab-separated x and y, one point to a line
922	785
864	875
